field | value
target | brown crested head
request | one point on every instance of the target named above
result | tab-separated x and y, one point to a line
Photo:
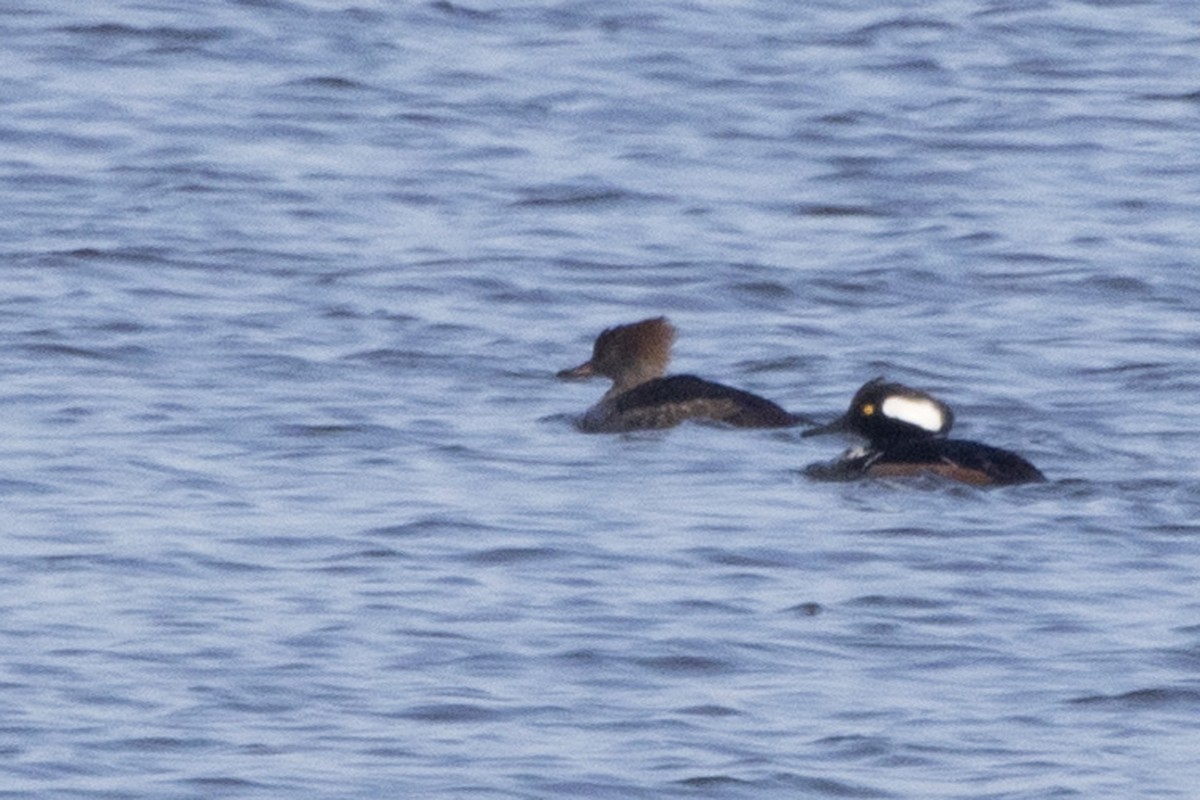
642	347
629	354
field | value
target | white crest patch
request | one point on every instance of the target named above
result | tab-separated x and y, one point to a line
920	411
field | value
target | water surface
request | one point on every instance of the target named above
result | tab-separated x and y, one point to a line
294	505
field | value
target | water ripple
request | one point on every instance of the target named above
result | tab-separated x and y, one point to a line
292	502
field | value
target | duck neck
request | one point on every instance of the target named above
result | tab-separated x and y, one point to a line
629	378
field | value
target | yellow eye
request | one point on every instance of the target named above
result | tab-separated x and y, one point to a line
868	409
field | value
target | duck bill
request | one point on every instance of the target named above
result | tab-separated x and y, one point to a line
839	425
584	370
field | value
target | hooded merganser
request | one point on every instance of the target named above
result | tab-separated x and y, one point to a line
635	357
905	431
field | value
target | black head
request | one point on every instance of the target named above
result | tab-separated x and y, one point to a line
891	412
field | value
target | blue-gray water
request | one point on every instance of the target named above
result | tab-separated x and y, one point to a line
292	506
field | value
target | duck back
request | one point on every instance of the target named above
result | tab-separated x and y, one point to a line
665	402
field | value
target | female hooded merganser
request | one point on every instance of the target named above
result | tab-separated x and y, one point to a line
905	431
635	357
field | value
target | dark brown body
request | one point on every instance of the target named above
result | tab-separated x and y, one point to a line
635	357
666	402
955	459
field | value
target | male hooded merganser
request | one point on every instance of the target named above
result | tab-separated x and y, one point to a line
905	431
635	357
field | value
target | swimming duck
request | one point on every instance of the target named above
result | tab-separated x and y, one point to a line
905	431
635	358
